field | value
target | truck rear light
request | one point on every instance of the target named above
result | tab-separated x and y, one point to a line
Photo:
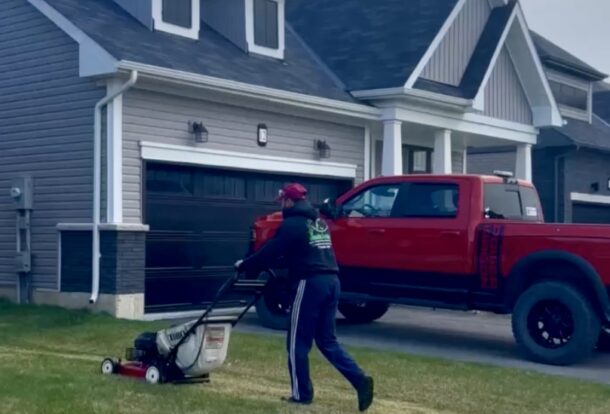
214	337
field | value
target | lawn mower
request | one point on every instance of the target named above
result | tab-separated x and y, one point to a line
188	352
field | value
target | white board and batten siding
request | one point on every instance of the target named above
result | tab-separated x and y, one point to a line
46	132
160	118
449	61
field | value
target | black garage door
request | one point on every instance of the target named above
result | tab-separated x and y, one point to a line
590	213
200	225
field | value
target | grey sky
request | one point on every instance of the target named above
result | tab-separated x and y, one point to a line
582	27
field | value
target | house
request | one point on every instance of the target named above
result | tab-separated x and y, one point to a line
571	163
139	139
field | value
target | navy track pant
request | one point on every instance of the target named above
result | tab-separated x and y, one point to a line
313	318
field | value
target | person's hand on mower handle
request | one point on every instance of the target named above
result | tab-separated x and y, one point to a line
238	264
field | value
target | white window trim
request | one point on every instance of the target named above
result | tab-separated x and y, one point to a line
590	198
192	32
243	161
261	50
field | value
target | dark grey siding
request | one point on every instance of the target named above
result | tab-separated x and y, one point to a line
543	172
156	117
227	17
46	131
449	61
582	169
140	9
504	94
488	162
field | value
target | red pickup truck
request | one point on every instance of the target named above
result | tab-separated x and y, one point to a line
465	242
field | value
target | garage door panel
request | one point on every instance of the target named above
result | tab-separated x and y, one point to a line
590	213
200	225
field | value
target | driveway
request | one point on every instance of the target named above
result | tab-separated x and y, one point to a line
461	336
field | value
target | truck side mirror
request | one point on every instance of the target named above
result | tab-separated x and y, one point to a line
329	208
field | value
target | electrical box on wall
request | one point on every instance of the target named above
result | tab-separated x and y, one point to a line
22	193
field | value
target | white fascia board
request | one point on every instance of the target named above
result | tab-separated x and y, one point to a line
420	94
94	60
590	198
468	123
243	161
435	43
254	91
553	117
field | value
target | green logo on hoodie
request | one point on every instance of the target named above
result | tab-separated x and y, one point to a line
319	236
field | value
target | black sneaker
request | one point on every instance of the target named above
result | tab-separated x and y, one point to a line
365	394
292	400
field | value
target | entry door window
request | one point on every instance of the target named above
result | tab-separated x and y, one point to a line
420	160
376	201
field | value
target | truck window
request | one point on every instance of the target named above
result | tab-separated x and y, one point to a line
428	200
511	202
376	201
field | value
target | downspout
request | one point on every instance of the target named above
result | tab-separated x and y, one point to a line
97	182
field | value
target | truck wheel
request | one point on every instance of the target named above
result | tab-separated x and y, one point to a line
363	312
273	309
555	324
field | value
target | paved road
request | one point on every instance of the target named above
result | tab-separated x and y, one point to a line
463	336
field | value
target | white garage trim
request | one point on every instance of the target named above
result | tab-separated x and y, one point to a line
243	161
590	198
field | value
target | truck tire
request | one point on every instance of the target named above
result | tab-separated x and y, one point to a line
273	308
555	324
364	312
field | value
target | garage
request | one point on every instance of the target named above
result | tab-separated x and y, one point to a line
200	221
591	213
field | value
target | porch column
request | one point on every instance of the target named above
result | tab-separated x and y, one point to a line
523	169
391	163
441	159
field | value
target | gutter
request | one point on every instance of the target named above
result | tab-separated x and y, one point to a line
97	182
418	94
353	109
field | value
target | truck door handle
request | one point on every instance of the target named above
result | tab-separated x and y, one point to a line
450	233
377	231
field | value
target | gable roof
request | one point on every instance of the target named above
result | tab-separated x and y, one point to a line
369	44
556	57
125	38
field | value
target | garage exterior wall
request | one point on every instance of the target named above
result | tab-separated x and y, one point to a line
46	132
161	118
581	169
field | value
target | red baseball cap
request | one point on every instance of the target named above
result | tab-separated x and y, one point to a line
294	192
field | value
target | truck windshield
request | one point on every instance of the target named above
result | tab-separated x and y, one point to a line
512	202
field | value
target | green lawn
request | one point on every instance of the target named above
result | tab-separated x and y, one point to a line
49	363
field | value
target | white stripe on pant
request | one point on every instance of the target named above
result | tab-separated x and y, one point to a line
296	307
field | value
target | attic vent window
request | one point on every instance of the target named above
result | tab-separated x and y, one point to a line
266	23
178	17
178	12
265	27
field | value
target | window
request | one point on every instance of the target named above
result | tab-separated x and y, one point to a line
266	23
505	201
265	27
377	201
570	96
178	12
429	200
169	179
179	17
419	160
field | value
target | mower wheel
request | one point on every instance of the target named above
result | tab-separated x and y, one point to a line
108	367
154	375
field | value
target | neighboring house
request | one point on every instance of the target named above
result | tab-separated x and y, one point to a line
213	104
571	164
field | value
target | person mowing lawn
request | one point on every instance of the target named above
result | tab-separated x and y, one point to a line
304	241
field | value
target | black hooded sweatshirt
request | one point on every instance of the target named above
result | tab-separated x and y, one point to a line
302	241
